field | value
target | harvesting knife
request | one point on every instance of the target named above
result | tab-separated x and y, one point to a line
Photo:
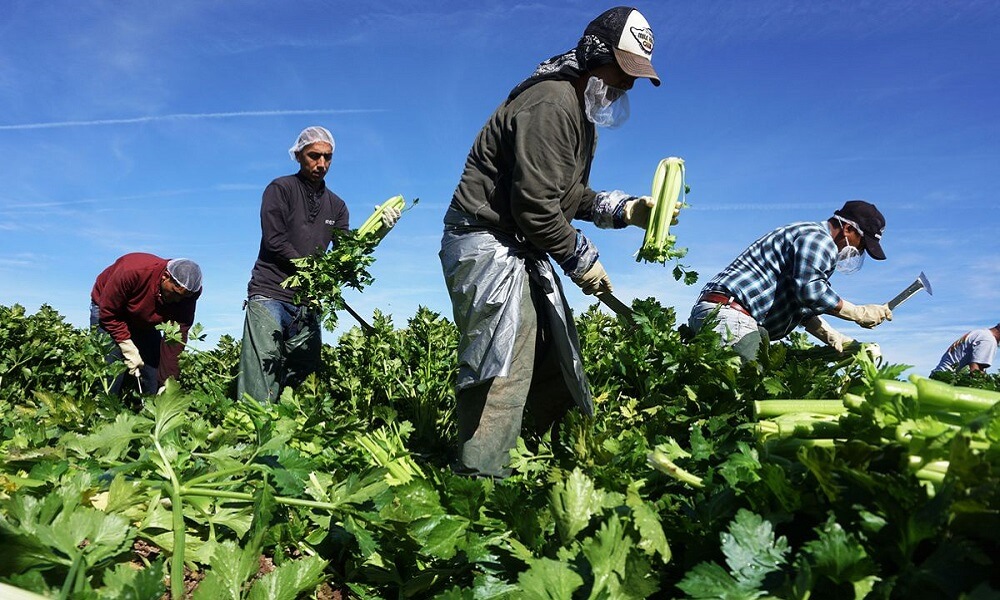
620	308
921	283
368	329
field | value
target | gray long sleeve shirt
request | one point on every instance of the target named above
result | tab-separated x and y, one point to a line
296	220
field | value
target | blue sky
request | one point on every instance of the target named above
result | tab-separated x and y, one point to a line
130	126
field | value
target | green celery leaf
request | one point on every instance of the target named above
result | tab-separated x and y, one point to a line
439	535
488	587
367	544
168	413
647	523
293	472
548	579
741	467
709	581
237	519
573	502
125	582
640	579
607	553
90	532
751	549
413	500
289	580
123	495
230	568
838	555
111	441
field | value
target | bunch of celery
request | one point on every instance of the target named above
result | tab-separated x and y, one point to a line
922	414
668	184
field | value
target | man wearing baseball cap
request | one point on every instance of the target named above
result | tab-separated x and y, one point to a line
525	181
781	281
130	298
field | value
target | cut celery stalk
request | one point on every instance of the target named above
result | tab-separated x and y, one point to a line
668	181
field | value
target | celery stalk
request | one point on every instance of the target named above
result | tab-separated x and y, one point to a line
953	398
765	409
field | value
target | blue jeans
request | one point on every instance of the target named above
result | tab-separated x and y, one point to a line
149	349
281	347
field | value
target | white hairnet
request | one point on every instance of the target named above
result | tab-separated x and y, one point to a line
311	135
185	272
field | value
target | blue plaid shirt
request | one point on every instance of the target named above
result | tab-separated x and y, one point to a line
782	279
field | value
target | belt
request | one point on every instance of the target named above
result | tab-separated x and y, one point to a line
725	300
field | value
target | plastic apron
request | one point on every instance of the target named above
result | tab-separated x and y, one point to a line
485	271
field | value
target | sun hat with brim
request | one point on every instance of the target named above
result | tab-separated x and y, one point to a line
631	40
871	223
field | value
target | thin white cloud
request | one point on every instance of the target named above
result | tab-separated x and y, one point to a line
188	116
229	187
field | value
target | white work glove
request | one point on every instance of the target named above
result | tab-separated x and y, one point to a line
133	360
390	216
822	331
873	349
638	210
866	315
594	281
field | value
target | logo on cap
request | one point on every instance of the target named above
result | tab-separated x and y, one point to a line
643	35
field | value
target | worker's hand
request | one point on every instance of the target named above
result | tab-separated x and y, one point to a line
133	360
873	350
390	216
637	211
594	281
828	335
866	315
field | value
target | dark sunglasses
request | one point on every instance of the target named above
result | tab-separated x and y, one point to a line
319	155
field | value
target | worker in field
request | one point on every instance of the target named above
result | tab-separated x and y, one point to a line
298	215
975	350
525	181
130	298
782	281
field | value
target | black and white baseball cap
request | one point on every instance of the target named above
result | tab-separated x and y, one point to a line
631	39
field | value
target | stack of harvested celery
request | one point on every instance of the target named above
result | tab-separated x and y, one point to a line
930	419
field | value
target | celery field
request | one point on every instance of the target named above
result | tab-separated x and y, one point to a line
810	475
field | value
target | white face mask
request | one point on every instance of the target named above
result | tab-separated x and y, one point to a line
604	105
849	260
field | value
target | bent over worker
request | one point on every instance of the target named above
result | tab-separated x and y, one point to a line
525	181
976	350
130	298
782	280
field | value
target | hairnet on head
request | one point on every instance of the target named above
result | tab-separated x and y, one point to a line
186	272
311	135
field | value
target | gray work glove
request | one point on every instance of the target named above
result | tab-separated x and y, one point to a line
133	360
866	315
390	216
638	210
594	281
826	334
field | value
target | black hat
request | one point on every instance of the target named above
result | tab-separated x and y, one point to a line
628	33
871	223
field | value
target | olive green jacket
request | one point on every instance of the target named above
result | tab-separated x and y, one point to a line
527	172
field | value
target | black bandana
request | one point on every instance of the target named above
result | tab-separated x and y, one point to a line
590	53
